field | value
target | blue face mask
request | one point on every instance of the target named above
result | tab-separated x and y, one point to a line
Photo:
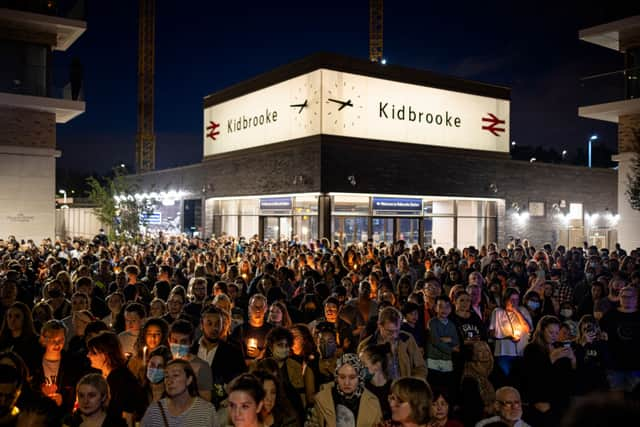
179	351
533	305
155	375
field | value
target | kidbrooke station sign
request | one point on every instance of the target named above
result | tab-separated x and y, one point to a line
351	105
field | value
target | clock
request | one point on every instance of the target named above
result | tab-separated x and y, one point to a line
305	106
343	102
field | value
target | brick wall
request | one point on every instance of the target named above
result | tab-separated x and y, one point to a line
393	168
27	128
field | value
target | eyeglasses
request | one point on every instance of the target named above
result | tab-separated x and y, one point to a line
509	403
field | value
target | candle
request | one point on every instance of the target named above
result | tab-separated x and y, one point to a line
144	355
517	333
244	276
355	266
252	345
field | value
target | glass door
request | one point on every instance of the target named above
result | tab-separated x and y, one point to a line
277	228
382	230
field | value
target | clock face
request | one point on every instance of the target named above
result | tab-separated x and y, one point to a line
305	106
343	104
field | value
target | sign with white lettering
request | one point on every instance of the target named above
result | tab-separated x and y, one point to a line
275	204
343	104
389	205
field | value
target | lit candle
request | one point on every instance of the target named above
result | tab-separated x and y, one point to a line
144	355
252	345
244	276
239	258
517	333
355	266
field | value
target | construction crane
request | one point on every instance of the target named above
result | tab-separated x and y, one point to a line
145	137
375	30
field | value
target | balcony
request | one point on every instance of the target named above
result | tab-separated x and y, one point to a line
28	89
610	95
65	20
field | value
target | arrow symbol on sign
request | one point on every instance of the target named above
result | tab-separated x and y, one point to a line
494	122
213	132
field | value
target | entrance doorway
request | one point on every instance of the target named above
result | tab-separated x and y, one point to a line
276	228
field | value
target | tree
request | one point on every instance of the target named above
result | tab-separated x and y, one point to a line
633	178
117	205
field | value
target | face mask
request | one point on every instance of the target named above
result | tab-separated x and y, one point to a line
437	270
533	305
566	312
55	293
280	353
588	277
593	265
155	375
327	350
179	351
368	376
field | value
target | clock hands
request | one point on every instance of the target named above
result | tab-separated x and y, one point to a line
343	104
301	106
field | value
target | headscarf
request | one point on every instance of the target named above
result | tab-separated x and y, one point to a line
354	361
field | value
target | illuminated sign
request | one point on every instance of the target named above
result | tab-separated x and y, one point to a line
276	203
388	205
343	104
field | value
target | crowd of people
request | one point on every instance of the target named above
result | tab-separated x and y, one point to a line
181	331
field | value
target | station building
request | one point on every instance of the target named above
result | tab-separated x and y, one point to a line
336	147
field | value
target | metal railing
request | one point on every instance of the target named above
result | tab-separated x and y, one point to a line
613	86
32	80
72	9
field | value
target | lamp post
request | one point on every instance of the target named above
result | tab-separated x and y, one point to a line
591	139
64	195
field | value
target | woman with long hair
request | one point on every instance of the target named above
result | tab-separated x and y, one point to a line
279	315
155	372
374	358
246	399
18	334
548	373
153	333
477	396
346	400
182	405
510	327
128	399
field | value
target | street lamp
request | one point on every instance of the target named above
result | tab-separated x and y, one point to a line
591	139
64	195
564	154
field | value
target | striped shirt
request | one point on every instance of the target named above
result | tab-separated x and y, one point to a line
200	414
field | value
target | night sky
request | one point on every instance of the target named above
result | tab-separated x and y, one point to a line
202	47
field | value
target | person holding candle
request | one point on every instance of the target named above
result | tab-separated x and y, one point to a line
154	332
251	336
510	326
